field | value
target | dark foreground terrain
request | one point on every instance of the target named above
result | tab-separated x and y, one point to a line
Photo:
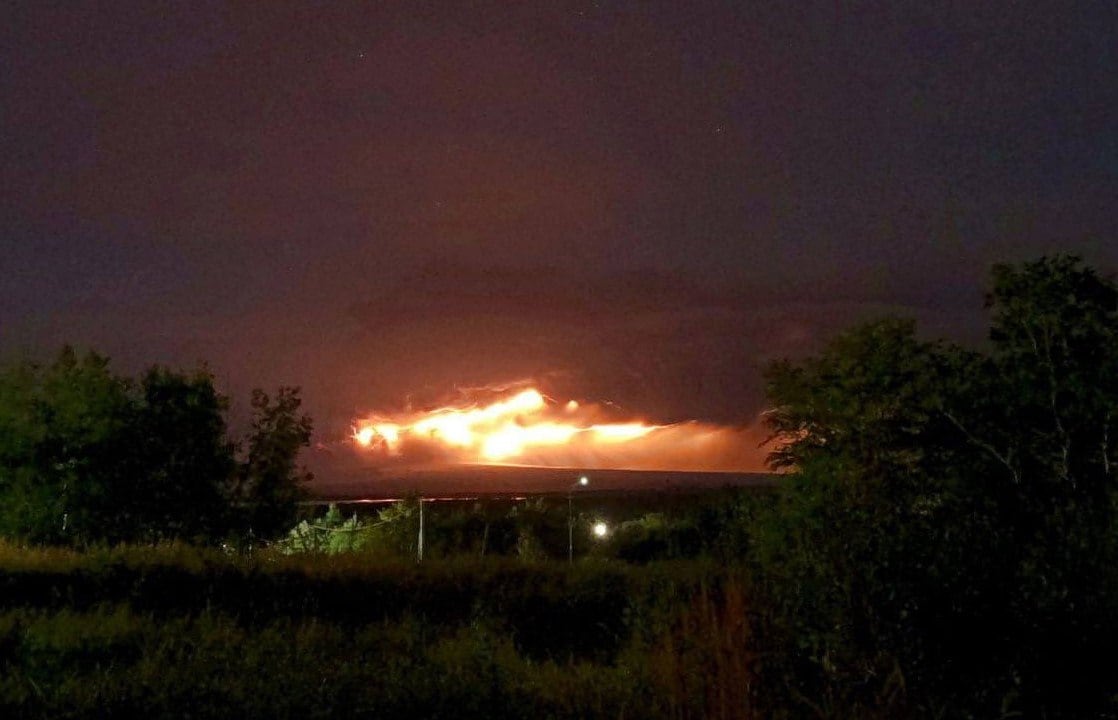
180	632
485	480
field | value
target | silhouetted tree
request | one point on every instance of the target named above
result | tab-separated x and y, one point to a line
946	539
64	444
185	463
1040	411
90	456
269	478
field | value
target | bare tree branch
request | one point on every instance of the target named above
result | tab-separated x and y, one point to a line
1106	444
1003	459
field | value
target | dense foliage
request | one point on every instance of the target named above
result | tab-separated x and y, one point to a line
706	524
946	543
269	482
87	455
151	631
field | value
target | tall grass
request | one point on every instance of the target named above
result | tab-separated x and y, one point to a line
176	631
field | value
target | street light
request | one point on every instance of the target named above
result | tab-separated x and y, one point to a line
583	481
601	529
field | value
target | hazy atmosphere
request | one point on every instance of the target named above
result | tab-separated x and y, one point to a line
569	360
628	204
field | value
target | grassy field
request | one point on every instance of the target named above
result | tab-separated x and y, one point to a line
180	632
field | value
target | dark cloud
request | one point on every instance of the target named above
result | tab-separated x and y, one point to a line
661	344
637	203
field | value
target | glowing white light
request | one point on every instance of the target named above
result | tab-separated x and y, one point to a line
584	480
600	529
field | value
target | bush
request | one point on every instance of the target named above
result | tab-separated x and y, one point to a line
150	631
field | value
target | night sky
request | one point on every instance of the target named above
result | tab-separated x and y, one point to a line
640	203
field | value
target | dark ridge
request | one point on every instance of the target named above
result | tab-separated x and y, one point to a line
485	480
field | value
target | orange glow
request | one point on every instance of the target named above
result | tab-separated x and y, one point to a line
364	436
523	427
621	432
496	432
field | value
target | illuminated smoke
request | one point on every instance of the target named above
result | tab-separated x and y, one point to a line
522	426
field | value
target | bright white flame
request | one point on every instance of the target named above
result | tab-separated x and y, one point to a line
499	431
522	426
620	432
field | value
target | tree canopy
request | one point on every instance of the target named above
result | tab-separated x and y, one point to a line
87	455
942	499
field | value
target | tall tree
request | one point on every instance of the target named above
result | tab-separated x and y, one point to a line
184	458
1053	375
270	481
856	535
88	456
63	432
942	499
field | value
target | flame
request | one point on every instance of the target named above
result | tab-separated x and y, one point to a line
524	427
497	432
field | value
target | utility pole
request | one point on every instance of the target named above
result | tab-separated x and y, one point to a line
570	532
419	545
581	482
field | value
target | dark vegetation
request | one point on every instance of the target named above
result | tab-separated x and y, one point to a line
643	527
943	544
89	456
175	631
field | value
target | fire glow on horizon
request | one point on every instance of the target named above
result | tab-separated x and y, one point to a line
524	427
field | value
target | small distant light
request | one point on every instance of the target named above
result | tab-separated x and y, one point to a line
572	405
601	529
584	480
